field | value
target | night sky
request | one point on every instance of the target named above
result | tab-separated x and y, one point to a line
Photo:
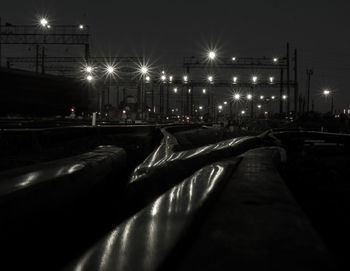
168	30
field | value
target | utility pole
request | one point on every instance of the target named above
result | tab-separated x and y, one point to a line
309	72
281	92
296	86
288	79
0	43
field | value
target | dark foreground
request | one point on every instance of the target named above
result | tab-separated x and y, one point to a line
173	198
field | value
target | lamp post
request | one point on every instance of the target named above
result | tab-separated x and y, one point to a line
144	72
328	93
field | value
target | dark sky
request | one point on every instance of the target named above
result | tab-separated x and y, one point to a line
165	30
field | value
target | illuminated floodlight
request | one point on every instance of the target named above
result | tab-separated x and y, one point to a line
110	69
272	79
220	107
44	22
185	78
326	92
242	112
235	79
254	79
89	69
175	90
89	78
249	96
284	97
144	70
259	106
204	91
275	59
211	55
236	96
234	58
262	97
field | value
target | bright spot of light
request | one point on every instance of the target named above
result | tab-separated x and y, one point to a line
44	22
212	55
89	78
237	96
249	96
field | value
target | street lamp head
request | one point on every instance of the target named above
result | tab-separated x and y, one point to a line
254	79
220	107
44	22
170	78
225	103
284	97
144	70
235	79
81	26
175	90
262	97
201	107
148	78
326	92
185	78
204	90
210	78
242	112
48	26
163	78
249	96
275	59
237	96
273	97
212	55
259	106
110	69
272	79
234	58
89	69
89	78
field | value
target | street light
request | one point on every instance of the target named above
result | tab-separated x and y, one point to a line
210	79
89	69
110	69
275	59
284	97
89	78
234	59
259	106
81	26
175	90
235	78
144	70
225	103
201	107
242	112
237	96
220	107
170	78
327	93
273	97
262	97
272	79
254	79
148	78
163	78
185	78
204	90
249	96
44	22
211	55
